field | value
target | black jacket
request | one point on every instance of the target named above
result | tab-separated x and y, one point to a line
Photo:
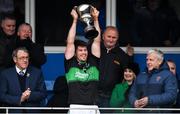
111	67
7	44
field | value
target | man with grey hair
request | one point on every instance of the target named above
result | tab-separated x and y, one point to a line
156	87
22	85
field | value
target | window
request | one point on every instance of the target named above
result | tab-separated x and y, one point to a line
148	23
53	19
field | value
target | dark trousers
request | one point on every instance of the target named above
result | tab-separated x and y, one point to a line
103	101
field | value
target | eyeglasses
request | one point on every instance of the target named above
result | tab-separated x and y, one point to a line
22	58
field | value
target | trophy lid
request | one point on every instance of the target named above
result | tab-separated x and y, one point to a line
83	7
84	10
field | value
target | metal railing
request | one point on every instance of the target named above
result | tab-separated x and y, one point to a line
6	109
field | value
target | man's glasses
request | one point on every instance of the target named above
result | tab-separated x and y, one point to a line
22	58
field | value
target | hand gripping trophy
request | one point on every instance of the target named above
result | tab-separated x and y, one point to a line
84	12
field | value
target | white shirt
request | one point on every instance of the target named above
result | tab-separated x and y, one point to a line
18	70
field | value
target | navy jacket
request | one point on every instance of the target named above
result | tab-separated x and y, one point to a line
10	90
160	86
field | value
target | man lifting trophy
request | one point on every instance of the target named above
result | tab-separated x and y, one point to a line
84	12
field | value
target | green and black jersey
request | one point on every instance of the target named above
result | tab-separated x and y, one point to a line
82	80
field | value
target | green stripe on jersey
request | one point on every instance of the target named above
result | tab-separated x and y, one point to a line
76	74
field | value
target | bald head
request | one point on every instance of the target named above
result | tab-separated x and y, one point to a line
25	31
110	37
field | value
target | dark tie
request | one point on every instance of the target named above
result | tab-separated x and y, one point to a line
21	73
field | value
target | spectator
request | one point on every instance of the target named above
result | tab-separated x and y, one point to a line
8	26
112	61
81	66
7	40
155	25
22	85
156	87
36	51
119	97
172	68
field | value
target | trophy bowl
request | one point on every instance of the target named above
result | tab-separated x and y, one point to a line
84	12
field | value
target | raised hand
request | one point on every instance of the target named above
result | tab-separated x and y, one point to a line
74	13
95	13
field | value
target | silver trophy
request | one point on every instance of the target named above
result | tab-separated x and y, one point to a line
84	12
